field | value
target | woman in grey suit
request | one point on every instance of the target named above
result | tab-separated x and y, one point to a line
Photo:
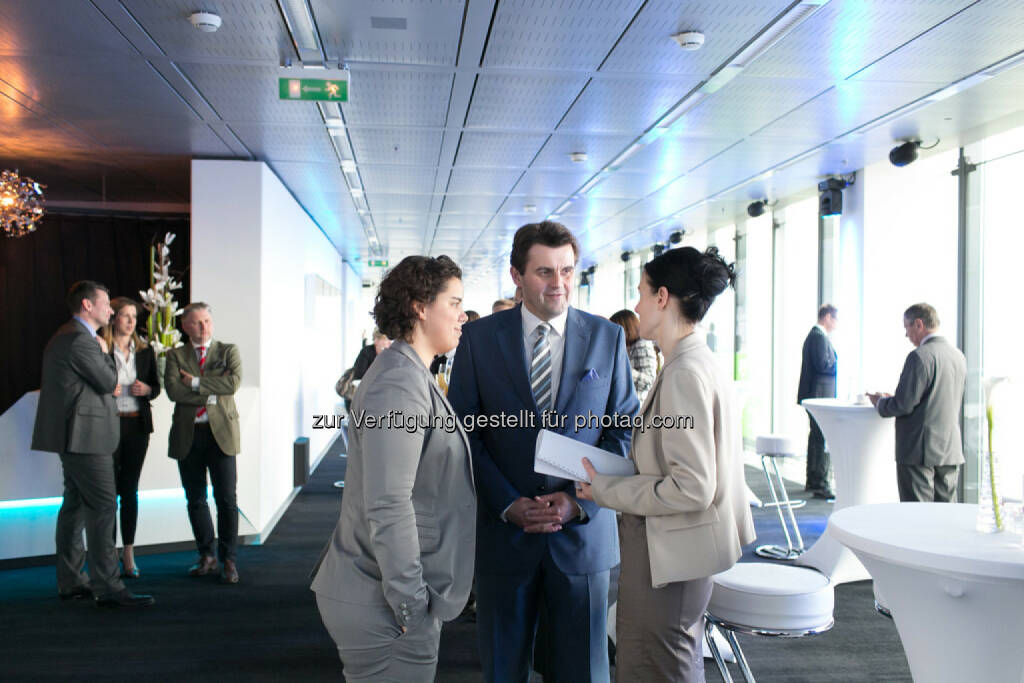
685	512
400	560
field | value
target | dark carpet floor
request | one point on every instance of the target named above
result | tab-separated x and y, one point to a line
267	628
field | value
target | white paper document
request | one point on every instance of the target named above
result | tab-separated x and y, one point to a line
560	456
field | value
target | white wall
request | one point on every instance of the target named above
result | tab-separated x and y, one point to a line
276	287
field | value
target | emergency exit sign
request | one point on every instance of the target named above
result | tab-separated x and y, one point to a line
313	89
377	263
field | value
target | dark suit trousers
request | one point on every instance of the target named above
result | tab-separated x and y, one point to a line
128	459
205	455
818	461
921	484
577	624
90	502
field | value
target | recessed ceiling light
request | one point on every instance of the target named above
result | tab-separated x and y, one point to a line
578	157
529	208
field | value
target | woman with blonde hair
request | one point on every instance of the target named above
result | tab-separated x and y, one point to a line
137	385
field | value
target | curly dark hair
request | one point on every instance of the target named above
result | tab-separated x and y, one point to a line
693	277
414	279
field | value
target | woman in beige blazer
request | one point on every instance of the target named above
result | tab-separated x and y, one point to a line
400	560
685	513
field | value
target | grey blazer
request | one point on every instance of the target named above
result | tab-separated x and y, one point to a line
77	411
927	404
406	535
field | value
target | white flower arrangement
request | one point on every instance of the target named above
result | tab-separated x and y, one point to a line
161	328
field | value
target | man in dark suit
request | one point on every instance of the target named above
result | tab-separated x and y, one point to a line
536	542
201	378
818	380
926	405
77	418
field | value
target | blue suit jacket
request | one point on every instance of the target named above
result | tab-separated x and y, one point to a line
489	377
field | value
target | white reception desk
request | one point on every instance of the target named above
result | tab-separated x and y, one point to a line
861	444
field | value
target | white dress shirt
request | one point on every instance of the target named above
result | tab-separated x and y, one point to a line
126	403
556	339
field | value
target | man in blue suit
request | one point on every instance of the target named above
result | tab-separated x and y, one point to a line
536	542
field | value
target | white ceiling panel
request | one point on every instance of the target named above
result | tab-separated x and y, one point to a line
625	105
554	34
382	97
404	146
600	150
463	222
489	181
528	102
595	207
455	204
397	179
383	204
648	46
26	25
498	150
550	183
251	29
425	31
844	36
286	143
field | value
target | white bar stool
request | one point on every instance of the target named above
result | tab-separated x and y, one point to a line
766	599
771	447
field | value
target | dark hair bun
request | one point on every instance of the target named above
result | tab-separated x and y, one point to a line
693	277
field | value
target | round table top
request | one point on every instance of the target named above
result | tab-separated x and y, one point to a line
938	536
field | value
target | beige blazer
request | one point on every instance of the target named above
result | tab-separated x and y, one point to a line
689	483
222	375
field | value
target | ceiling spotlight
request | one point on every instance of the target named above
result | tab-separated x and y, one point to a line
625	256
207	22
585	279
830	201
904	154
529	208
689	40
578	157
755	209
658	249
676	237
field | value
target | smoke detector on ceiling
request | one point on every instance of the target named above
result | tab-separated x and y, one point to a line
207	22
689	40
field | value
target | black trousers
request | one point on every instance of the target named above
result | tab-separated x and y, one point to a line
90	503
205	455
818	461
128	459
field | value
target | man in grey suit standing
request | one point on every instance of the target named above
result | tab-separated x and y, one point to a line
77	418
926	405
818	380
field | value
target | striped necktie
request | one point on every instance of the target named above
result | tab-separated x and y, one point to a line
540	368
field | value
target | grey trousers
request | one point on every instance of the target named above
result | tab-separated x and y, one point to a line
90	502
922	484
659	630
372	646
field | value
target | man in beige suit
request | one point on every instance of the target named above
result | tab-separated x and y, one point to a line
202	378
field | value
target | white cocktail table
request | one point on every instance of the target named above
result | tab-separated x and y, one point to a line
956	595
861	444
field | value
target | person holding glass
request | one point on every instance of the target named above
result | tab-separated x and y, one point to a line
137	385
400	560
684	513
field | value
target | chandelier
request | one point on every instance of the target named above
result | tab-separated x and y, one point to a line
21	204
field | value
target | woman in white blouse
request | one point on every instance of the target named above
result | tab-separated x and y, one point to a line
685	513
137	385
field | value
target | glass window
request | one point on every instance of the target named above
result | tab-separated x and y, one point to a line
718	324
910	256
754	327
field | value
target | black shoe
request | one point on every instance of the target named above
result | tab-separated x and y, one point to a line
206	565
827	494
77	593
125	598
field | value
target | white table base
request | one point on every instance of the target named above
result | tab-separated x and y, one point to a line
861	445
954	627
